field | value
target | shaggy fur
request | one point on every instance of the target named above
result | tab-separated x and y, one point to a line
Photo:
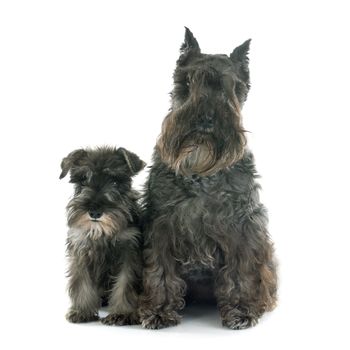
204	226
103	242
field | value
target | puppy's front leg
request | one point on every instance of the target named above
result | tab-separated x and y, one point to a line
83	294
123	299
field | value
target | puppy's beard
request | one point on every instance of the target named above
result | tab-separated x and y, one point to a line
107	225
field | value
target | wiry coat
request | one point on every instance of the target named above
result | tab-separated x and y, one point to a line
205	229
103	243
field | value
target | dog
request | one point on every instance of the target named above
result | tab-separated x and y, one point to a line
103	244
205	230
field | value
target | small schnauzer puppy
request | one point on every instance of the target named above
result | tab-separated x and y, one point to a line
103	242
205	229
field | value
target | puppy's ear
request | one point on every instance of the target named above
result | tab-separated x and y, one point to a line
190	47
72	159
134	163
239	57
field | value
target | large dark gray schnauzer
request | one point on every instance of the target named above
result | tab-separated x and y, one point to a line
103	242
205	228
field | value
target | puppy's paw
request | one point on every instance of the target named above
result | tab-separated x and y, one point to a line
120	320
161	320
76	316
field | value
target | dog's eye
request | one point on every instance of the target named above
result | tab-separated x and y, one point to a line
187	81
115	183
83	181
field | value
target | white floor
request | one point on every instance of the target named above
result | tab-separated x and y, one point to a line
200	329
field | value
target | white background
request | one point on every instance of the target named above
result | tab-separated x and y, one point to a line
85	73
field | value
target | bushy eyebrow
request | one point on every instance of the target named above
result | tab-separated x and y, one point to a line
116	174
81	173
109	171
228	82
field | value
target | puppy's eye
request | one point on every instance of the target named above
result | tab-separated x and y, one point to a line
115	183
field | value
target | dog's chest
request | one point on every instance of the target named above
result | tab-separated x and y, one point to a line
92	251
204	201
201	220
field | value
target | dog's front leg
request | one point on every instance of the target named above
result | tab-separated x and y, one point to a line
163	289
246	284
83	294
123	299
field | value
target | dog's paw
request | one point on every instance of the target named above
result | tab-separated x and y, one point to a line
161	320
239	316
120	320
76	316
239	322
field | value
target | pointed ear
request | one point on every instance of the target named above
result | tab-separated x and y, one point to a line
72	159
239	57
189	47
135	164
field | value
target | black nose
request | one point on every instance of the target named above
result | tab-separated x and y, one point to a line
206	121
95	213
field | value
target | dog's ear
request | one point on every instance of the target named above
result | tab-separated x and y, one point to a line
190	47
72	159
134	163
239	57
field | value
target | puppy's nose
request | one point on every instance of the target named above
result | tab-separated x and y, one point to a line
95	213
